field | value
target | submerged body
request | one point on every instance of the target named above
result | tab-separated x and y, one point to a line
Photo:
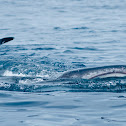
97	72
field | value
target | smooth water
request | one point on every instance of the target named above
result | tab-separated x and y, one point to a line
52	37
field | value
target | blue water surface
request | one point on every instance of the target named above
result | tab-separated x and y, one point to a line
52	37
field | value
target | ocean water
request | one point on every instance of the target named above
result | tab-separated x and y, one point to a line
52	37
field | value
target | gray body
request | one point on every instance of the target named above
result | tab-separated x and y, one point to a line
97	72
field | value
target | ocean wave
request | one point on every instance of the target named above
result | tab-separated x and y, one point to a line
32	84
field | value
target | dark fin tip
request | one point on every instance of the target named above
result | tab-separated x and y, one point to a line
7	39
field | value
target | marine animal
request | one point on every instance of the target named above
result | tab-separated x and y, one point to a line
88	73
97	72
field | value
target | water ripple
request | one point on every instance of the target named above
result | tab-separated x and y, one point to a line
86	48
45	48
24	104
69	85
80	28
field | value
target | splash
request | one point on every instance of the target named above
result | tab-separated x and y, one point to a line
10	73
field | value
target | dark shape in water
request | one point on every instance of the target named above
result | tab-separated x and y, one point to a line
7	39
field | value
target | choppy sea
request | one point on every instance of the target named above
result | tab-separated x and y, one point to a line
52	37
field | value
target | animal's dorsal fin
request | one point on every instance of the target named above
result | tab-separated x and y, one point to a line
7	39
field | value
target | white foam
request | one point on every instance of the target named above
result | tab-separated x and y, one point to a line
39	75
10	73
27	81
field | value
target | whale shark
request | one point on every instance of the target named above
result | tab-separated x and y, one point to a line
88	73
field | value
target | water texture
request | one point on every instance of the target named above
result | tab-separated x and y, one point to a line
52	37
